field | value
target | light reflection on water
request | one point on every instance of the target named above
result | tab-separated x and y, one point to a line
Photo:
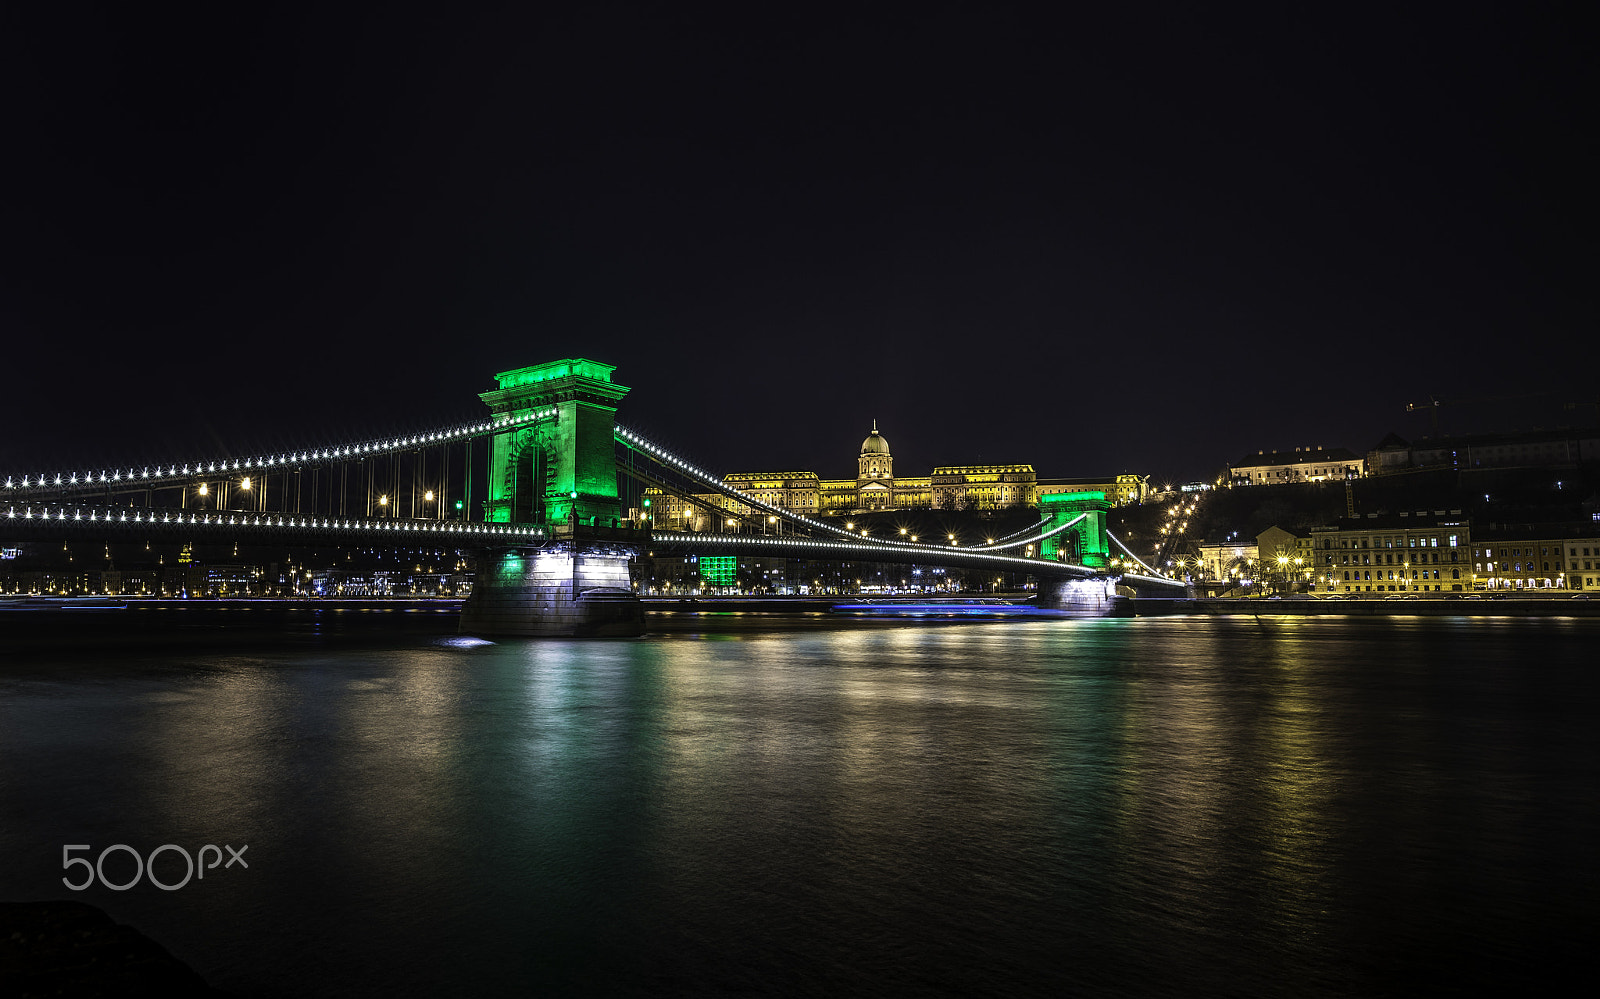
1205	807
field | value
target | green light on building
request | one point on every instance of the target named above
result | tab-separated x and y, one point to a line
719	570
572	366
561	470
1060	508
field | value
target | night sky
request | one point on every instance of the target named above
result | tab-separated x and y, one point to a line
1150	242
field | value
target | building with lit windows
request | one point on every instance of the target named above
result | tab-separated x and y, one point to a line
1127	489
875	487
1423	552
1529	449
1318	464
983	487
1582	562
800	492
1520	563
1537	560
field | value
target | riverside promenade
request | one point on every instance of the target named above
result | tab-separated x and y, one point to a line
1407	605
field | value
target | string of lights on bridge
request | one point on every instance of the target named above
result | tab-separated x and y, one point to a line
175	474
146	476
1129	552
692	471
142	517
979	556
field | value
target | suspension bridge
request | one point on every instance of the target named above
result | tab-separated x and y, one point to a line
537	488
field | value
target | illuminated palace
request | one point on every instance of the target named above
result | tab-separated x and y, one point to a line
875	487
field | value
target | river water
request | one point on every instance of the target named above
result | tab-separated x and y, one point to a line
1169	806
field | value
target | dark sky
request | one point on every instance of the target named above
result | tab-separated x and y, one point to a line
1154	241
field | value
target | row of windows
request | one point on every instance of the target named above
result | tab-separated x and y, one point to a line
1528	550
1388	558
1528	566
1400	574
1396	541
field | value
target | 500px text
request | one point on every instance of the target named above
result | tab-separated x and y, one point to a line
145	867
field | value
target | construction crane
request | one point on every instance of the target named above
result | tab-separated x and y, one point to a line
1433	403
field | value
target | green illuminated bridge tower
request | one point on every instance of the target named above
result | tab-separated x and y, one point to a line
1088	508
561	468
1060	508
558	469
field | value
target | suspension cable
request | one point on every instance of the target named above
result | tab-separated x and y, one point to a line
1125	551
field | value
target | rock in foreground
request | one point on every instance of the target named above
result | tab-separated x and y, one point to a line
61	949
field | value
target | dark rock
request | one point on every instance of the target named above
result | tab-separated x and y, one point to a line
61	949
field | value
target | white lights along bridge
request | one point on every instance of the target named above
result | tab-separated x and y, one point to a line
63	482
823	540
266	527
102	501
68	501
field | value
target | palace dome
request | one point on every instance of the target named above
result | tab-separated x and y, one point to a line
874	444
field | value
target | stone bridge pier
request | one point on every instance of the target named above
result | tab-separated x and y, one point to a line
1095	596
577	586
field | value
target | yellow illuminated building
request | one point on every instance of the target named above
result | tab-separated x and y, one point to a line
1421	553
875	487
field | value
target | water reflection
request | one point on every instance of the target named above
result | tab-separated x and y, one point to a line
1207	807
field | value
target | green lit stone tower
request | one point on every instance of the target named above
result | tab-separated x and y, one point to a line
558	468
1060	508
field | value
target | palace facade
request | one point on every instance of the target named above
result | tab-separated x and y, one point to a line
875	487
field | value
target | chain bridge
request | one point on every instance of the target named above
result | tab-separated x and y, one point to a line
536	488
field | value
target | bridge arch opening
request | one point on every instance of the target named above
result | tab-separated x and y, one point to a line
528	482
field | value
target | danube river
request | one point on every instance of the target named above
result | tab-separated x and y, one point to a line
1157	806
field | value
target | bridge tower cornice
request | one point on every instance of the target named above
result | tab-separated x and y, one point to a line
570	380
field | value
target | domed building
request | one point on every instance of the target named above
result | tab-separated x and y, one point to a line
875	474
875	487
